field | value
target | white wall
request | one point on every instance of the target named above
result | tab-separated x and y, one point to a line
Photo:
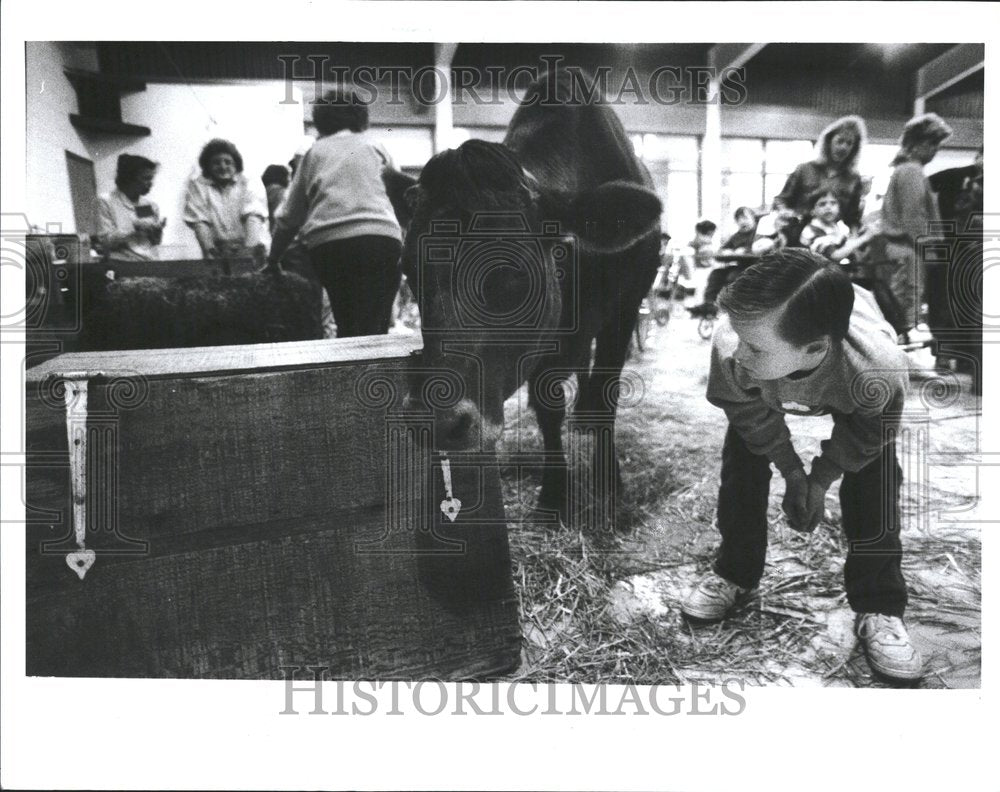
49	100
182	119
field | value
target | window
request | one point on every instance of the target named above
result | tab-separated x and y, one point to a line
672	161
409	147
781	158
742	180
875	162
753	172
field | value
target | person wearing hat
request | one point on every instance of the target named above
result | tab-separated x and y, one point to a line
908	210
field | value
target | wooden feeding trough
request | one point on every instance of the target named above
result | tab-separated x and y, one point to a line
232	512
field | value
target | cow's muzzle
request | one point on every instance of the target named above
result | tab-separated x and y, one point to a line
461	427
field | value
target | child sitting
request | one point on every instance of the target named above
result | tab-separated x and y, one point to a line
799	338
746	222
775	231
826	234
702	248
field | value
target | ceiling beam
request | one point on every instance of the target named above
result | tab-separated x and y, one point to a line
949	68
732	56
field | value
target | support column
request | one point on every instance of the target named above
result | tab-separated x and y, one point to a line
444	128
711	157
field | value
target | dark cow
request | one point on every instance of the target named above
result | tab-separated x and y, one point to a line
524	255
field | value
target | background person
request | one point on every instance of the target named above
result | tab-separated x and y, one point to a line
337	202
275	179
226	215
954	287
908	210
835	166
129	225
742	239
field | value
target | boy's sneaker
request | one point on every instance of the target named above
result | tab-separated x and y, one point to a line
713	598
888	646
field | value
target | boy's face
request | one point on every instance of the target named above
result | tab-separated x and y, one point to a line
765	355
827	209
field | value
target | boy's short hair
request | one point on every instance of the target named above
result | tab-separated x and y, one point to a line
129	168
340	109
817	296
818	193
215	147
744	210
705	227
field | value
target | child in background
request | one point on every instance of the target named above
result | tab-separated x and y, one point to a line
702	253
800	339
742	240
775	231
825	230
702	244
826	234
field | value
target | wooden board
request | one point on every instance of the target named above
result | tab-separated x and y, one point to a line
176	268
255	510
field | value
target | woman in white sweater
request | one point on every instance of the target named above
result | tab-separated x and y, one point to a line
337	202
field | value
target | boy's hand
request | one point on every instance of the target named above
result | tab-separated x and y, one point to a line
796	500
815	504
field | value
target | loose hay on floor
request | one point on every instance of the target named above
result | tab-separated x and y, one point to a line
604	607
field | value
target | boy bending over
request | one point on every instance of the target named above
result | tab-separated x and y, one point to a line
800	339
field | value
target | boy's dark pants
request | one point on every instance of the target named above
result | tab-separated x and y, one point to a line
869	501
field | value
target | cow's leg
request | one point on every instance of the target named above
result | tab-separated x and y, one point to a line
597	410
550	408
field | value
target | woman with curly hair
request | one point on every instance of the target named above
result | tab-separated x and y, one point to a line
227	216
835	166
338	205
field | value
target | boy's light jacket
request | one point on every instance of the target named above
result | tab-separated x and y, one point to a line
862	382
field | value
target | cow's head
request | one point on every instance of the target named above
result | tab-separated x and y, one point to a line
485	276
592	183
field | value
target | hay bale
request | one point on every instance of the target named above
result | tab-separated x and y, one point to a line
157	313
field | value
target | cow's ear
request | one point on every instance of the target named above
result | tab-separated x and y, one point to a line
620	199
397	185
616	215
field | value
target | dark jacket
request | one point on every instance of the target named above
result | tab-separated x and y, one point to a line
845	182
